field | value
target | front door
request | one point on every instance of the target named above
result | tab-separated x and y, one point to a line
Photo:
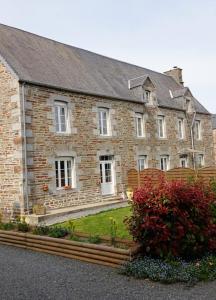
106	174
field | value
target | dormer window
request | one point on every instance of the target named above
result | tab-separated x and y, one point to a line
147	95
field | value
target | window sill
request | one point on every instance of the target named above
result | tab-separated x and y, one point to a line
105	136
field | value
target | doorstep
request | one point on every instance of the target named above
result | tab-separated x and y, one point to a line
63	214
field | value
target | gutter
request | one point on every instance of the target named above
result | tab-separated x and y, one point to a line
96	94
25	189
192	139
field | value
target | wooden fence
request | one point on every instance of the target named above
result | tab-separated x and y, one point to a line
137	179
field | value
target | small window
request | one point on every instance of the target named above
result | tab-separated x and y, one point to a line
184	161
142	162
161	126
147	95
164	162
197	129
61	117
139	125
104	121
180	128
200	160
64	168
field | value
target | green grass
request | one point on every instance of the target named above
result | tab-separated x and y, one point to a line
99	224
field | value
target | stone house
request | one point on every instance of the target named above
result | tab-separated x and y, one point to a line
214	135
72	123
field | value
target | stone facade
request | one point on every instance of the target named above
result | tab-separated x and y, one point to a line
11	151
214	143
86	145
43	145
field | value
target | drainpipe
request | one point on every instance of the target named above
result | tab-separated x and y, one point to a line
192	139
25	151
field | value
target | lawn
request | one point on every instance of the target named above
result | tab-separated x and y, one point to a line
99	224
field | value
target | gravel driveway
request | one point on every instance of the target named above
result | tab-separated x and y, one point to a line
30	275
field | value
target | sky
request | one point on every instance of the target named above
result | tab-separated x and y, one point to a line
156	34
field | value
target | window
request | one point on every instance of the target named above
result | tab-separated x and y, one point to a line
183	161
161	126
164	162
61	117
197	129
147	95
180	128
200	160
104	121
142	162
139	125
64	168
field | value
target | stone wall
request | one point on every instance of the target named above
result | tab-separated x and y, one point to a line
11	170
86	145
214	143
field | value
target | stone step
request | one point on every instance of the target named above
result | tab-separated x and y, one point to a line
63	214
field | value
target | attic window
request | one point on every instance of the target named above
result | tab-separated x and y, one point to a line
147	95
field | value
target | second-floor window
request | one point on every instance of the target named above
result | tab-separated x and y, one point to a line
142	162
61	117
164	162
183	161
200	160
139	125
180	128
104	121
161	126
197	129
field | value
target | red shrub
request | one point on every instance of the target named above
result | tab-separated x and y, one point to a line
173	218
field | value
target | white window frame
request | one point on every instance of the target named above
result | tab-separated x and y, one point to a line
184	159
101	111
202	161
58	105
147	95
142	162
197	130
161	129
140	131
58	172
165	160
181	129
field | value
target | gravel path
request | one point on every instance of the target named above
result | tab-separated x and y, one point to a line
30	275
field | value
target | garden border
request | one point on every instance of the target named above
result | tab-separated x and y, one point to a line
98	254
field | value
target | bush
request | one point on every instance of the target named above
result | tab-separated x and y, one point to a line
7	226
57	232
41	230
95	239
173	219
172	271
23	226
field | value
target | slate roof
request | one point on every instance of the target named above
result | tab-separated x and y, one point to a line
47	62
214	121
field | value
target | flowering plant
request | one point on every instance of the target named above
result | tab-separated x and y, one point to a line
173	218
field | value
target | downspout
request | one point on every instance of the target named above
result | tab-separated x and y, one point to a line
192	139
25	152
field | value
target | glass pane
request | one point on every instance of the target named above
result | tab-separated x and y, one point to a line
57	118
62	171
101	173
69	173
56	171
105	126
100	122
108	176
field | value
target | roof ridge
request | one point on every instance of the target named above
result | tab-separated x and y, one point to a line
89	51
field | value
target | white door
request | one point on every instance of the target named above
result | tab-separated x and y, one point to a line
107	176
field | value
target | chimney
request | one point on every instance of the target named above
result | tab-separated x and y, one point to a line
176	74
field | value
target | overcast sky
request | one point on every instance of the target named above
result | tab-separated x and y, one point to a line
155	34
